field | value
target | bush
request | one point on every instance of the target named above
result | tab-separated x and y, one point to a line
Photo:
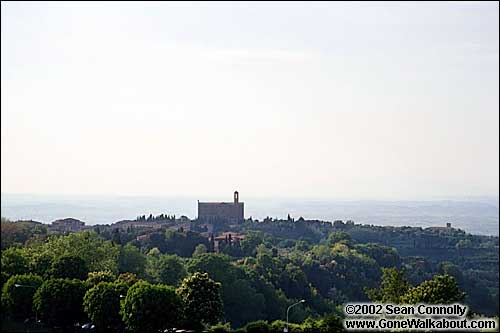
59	302
202	300
442	289
18	301
331	323
220	328
149	308
127	278
277	326
259	326
95	278
102	305
14	261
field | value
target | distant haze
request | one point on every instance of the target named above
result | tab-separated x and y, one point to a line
383	101
474	215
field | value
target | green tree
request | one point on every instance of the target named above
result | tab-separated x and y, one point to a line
96	277
131	260
250	243
294	282
394	285
442	289
17	295
149	308
101	303
181	243
218	266
202	299
127	278
41	263
69	266
14	261
385	256
98	254
449	268
244	303
16	233
199	250
59	302
339	236
166	268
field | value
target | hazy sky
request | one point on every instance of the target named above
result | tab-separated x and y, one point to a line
317	100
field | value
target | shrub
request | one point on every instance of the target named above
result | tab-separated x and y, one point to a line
18	301
60	302
259	326
102	305
149	308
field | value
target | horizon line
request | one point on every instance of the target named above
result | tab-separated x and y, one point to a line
264	197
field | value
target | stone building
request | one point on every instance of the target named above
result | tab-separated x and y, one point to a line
226	239
67	225
232	212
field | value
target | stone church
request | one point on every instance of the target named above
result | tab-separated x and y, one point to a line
232	212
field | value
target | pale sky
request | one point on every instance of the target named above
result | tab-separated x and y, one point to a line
314	100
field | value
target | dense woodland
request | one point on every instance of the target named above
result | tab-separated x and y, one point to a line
151	279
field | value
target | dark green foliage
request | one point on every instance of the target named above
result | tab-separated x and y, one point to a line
69	266
149	308
294	283
181	243
384	256
279	262
98	254
16	233
127	278
240	305
199	250
243	303
298	230
342	266
122	288
450	268
96	277
41	264
218	266
202	300
418	269
5	277
166	269
330	324
250	243
59	302
220	328
101	303
339	236
14	261
394	285
131	260
259	326
442	289
278	326
18	300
